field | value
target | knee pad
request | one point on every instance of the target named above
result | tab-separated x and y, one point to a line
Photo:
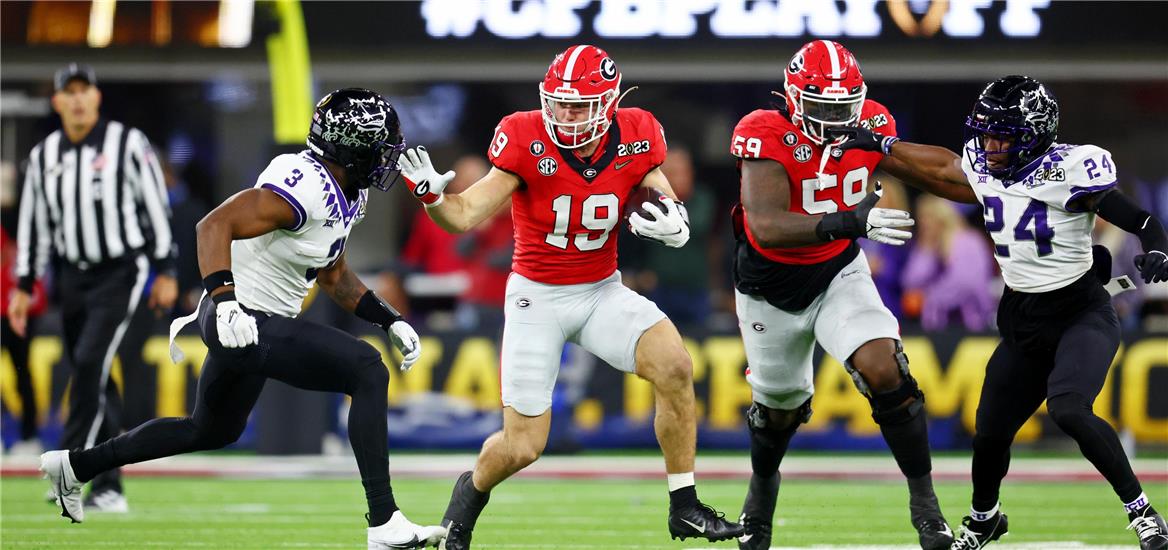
770	425
887	406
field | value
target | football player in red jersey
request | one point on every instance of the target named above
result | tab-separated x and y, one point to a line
800	278
568	169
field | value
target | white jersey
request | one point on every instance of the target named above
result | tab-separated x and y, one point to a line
274	272
1042	241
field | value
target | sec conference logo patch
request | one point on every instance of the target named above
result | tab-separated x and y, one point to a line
803	153
547	166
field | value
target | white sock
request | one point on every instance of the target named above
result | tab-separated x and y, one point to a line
1137	504
679	481
984	516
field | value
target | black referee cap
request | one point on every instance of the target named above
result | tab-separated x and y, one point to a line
74	71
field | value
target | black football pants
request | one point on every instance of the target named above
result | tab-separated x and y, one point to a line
302	354
1064	362
96	307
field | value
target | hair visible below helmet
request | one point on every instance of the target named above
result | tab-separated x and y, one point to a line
1018	108
359	130
823	87
586	77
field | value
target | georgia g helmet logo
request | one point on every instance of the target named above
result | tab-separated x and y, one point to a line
608	69
796	63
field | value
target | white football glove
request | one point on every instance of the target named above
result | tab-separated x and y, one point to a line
235	326
670	227
405	339
881	222
423	180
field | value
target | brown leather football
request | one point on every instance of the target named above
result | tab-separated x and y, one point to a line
640	195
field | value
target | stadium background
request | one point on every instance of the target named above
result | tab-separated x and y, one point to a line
220	87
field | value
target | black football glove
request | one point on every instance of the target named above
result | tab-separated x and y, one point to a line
1153	266
861	138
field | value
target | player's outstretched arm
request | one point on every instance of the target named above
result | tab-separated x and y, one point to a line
1118	209
929	168
766	199
455	213
248	213
347	290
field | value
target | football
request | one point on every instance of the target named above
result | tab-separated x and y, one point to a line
639	196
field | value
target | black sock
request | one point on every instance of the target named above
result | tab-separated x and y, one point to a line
767	451
381	505
991	461
909	443
466	501
685	497
922	499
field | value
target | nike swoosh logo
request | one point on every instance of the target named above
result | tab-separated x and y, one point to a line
701	528
618	166
412	543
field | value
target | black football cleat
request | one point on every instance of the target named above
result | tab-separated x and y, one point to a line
935	534
758	512
457	536
466	503
977	534
701	521
1150	527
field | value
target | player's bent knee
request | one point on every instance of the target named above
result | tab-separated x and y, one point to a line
212	438
371	376
771	425
1068	410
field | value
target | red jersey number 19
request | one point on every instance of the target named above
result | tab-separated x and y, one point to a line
597	213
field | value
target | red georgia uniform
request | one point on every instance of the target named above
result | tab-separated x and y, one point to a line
771	135
566	209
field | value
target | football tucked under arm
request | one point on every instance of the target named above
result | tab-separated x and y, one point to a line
653	215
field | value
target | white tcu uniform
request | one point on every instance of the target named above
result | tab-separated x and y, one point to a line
274	272
1042	240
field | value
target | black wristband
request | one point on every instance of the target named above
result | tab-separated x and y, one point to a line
223	296
218	279
839	225
375	310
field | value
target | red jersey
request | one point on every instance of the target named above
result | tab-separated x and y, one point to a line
566	209
771	135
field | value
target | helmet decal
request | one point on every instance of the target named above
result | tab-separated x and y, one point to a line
608	69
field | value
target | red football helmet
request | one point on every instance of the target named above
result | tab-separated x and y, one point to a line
823	87
582	81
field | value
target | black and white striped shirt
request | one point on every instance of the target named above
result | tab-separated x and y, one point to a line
94	201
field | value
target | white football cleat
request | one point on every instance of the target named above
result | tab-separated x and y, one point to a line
56	467
108	501
400	533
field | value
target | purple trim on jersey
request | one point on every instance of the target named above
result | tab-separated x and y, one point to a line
1051	154
1002	250
301	216
1080	192
347	210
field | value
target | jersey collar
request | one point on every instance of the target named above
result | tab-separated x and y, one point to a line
590	171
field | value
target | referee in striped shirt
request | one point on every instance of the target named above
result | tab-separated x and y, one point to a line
93	195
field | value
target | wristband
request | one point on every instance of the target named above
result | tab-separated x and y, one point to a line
224	297
217	279
886	144
373	309
421	191
839	225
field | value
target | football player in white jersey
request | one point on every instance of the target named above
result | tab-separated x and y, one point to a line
1059	330
260	253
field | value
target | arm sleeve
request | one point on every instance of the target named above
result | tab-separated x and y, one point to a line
150	187
1118	209
32	231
